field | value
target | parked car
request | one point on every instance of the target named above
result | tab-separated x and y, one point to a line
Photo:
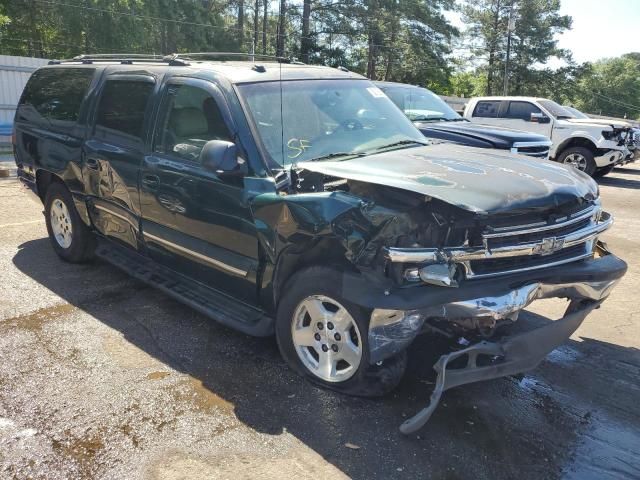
299	201
590	147
435	119
632	137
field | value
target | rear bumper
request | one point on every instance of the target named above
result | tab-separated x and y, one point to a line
29	185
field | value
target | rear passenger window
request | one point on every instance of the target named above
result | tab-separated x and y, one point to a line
190	119
521	110
55	94
486	109
121	108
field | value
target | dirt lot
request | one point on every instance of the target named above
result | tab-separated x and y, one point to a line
103	377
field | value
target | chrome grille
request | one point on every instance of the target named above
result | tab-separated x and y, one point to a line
510	249
546	244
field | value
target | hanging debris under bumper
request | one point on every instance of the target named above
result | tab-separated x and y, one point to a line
516	354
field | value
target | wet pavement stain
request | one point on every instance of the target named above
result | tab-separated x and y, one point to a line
158	375
193	392
82	451
36	320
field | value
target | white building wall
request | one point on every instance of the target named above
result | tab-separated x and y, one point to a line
14	73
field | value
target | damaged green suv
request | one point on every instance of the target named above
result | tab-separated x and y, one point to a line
298	200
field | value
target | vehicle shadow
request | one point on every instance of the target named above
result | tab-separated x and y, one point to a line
498	429
613	181
627	171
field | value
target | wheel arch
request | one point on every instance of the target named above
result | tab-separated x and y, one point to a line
324	252
44	180
576	142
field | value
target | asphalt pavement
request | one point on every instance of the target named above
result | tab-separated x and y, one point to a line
104	377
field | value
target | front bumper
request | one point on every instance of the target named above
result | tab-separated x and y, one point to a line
609	157
399	315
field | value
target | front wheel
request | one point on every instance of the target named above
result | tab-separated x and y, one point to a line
580	158
323	337
70	237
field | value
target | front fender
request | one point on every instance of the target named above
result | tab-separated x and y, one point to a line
292	225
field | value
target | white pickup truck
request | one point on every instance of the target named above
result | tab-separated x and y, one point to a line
593	148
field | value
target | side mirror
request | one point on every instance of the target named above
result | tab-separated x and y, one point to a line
539	118
221	158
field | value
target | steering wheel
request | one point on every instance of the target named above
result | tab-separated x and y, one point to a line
349	125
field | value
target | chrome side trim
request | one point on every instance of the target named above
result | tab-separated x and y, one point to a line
116	214
422	255
199	256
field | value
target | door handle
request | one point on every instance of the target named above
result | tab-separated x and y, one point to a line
151	181
93	164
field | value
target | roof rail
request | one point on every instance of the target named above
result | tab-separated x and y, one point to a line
124	58
233	55
177	59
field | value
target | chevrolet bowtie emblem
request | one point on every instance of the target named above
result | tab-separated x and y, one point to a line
549	245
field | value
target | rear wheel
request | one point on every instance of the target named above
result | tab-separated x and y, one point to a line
70	237
580	158
324	337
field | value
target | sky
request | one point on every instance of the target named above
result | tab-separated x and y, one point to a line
601	28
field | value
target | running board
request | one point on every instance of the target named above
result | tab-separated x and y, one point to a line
204	299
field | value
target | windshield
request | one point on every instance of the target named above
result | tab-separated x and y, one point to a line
576	113
420	104
325	119
556	110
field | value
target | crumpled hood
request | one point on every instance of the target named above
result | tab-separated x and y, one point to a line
475	179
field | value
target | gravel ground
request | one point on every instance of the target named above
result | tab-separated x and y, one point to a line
104	377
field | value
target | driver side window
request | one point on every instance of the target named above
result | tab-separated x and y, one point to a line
190	118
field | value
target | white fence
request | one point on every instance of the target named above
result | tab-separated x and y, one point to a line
14	73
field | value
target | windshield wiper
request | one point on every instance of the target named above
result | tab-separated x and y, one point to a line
399	144
335	155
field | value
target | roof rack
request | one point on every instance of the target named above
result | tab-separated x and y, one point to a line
233	55
175	59
124	58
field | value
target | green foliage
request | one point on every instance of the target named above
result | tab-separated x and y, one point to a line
533	41
398	40
611	87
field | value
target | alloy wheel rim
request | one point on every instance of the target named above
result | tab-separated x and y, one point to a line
61	223
576	160
326	338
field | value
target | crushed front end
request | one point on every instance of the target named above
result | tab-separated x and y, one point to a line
499	266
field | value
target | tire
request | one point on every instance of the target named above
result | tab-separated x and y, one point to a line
579	157
320	287
601	172
70	237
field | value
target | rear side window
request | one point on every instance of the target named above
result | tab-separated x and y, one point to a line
55	94
121	108
521	110
486	109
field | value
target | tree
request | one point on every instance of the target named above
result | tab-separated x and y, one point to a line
280	41
611	87
537	22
